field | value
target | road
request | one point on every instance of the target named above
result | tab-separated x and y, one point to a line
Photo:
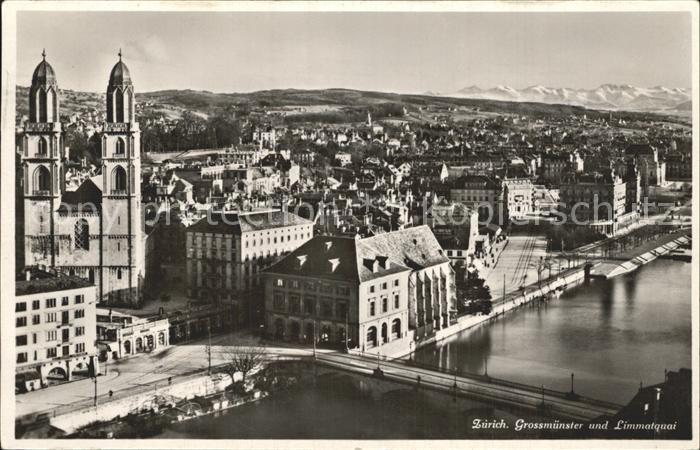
143	370
517	263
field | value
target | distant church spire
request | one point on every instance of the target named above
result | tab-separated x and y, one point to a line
120	53
43	54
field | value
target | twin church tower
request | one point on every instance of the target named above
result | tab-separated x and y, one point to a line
96	231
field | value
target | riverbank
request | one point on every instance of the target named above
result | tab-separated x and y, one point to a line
644	255
558	284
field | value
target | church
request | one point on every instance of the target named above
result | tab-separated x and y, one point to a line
95	231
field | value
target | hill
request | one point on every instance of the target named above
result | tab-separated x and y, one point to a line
324	105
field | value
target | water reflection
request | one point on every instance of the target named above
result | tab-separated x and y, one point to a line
611	333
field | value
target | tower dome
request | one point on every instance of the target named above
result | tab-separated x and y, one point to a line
43	74
120	94
43	93
120	74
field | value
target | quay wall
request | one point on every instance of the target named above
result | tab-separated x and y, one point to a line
570	279
200	385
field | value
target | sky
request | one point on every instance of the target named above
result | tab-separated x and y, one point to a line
392	52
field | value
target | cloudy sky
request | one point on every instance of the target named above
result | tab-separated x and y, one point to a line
398	52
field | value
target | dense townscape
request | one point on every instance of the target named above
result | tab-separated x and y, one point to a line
362	225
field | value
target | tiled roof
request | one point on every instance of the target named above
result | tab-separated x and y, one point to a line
349	259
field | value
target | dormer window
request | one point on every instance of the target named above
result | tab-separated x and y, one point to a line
333	264
328	244
301	260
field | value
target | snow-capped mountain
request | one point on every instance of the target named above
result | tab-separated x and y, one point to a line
606	96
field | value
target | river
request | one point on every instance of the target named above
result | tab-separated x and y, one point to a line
612	334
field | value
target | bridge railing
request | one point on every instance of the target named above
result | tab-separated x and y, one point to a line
493	380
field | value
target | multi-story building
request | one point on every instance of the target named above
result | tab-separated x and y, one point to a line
96	231
375	293
54	328
679	166
483	194
555	167
519	196
227	251
651	169
597	200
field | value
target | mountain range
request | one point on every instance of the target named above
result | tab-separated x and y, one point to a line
606	96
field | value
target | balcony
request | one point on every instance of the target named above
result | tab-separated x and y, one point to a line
41	192
118	192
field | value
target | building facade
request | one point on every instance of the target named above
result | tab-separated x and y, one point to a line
597	200
366	294
226	252
519	194
54	328
96	231
483	194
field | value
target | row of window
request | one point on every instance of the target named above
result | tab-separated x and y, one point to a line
51	335
52	352
384	304
295	305
254	242
383	286
49	303
312	286
50	317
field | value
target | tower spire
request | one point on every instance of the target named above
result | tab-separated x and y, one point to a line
120	53
43	54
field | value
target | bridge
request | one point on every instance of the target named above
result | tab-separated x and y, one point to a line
503	393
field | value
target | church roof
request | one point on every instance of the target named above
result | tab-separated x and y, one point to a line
43	74
88	197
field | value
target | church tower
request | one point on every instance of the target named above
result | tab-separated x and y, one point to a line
42	155
122	231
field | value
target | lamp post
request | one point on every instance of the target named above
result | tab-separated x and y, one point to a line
209	349
314	339
94	380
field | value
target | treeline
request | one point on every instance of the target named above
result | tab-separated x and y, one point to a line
348	115
192	131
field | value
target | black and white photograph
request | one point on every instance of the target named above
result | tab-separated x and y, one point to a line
349	224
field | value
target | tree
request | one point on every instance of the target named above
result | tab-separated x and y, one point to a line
243	359
475	296
542	265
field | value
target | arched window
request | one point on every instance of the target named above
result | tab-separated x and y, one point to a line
119	104
81	235
119	179
396	328
42	105
121	147
385	334
371	337
42	180
43	146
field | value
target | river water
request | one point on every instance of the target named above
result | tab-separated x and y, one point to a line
612	334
